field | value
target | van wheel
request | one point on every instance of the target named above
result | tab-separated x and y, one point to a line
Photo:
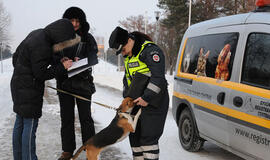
188	133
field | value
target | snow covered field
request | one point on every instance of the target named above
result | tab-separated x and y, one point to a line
108	85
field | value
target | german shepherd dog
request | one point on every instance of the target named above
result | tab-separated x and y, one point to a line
118	129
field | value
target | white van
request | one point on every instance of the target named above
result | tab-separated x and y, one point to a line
222	84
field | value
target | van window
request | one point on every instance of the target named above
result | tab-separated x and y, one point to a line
256	66
210	55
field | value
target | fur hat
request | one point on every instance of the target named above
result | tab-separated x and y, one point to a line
77	13
119	38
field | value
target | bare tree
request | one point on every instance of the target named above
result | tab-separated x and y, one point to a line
231	7
205	9
246	6
165	38
137	23
4	24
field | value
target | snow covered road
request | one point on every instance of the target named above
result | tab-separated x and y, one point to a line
49	142
48	133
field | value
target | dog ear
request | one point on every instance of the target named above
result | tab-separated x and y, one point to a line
131	103
124	105
207	54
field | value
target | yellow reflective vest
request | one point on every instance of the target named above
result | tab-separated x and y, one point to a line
133	64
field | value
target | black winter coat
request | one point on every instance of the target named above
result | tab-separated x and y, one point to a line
88	50
33	65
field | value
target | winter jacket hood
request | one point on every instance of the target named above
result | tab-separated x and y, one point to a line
61	34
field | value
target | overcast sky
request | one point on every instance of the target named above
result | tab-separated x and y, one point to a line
102	15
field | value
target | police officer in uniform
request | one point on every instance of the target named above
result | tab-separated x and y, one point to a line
143	56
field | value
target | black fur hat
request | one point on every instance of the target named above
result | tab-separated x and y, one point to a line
119	38
77	13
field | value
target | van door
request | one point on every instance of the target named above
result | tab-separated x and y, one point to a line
201	81
249	100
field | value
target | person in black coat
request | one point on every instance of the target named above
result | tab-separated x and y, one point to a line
33	65
80	84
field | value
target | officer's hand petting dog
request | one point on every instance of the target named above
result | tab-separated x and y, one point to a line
140	102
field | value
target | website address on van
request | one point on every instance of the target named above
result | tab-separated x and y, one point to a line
259	139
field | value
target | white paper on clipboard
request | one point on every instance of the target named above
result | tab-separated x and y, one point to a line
78	66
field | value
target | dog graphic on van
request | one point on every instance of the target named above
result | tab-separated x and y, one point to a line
222	70
201	65
187	60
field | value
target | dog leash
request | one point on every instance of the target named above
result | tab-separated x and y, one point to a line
82	98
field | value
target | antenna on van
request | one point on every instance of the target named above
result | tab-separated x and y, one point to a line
189	16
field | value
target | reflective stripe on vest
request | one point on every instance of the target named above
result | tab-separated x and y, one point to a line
133	64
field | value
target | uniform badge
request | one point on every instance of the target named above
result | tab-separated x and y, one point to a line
156	58
133	64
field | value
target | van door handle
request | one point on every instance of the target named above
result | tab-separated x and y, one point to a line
185	80
221	97
238	101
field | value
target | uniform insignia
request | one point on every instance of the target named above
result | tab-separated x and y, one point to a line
156	58
133	64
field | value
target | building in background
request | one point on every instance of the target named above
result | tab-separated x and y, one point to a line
100	44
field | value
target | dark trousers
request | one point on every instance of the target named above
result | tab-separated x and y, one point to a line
144	142
67	105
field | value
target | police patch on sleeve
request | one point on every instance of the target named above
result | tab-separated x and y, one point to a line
155	57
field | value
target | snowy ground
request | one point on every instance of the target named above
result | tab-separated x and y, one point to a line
108	86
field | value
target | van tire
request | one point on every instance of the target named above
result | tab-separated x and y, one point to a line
188	133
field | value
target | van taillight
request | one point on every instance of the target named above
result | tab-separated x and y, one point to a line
261	3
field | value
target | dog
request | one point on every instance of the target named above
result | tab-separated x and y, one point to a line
222	70
201	64
118	129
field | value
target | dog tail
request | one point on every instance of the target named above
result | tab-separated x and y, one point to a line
78	152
